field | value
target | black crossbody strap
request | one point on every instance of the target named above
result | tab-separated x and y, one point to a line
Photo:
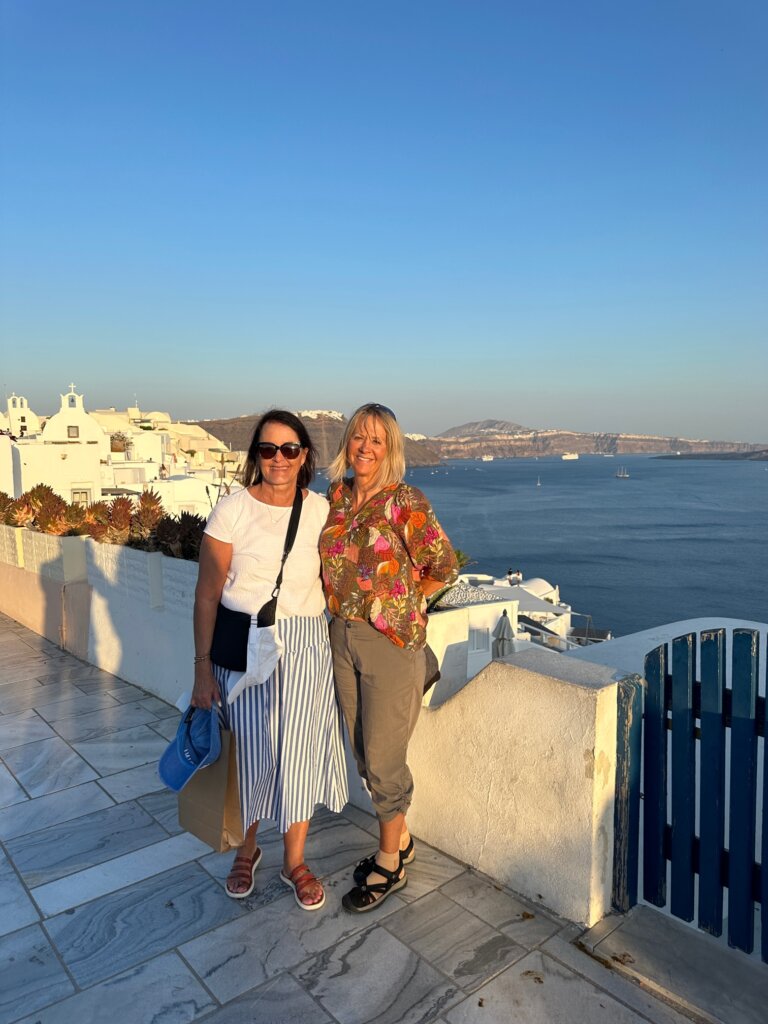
290	537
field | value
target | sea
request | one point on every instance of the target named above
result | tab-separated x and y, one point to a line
675	539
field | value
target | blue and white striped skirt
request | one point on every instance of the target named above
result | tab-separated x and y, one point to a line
288	730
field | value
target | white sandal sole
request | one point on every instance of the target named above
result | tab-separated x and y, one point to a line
304	906
246	892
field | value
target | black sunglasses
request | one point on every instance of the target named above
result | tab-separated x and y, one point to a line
291	450
374	407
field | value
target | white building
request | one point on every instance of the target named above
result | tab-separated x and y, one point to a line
19	419
67	453
540	611
72	425
72	454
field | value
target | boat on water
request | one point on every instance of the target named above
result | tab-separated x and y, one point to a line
486	458
569	456
622	473
538	481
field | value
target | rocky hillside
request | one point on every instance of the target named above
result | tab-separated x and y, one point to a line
485	427
325	428
471	440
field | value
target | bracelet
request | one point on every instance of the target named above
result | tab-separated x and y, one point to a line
201	657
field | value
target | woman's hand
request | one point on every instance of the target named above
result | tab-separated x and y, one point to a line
205	692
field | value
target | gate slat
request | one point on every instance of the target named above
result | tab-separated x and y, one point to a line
712	782
655	780
626	823
764	854
683	776
743	789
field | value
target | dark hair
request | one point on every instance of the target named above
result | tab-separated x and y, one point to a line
252	470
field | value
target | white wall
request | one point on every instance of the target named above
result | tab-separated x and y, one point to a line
141	617
6	465
628	652
448	635
64	467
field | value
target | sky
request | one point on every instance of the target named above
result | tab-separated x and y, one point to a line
554	213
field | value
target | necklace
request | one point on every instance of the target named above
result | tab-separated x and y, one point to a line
280	516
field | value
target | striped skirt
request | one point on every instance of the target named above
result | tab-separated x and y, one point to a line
288	730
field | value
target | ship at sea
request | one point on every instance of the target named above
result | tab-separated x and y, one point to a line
569	456
622	473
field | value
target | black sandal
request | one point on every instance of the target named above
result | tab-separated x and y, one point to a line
364	867
366	897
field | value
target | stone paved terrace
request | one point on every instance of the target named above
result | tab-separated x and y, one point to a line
110	911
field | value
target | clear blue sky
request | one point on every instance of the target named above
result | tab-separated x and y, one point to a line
551	212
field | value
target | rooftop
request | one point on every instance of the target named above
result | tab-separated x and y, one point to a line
106	899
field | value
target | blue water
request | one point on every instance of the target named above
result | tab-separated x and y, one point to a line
678	539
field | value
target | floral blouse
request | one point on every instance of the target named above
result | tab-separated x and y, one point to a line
372	560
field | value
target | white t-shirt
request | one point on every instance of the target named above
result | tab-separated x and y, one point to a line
257	534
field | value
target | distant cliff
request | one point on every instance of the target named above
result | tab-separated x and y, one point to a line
505	440
500	438
556	442
326	429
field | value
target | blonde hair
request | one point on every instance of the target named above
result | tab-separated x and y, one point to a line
392	469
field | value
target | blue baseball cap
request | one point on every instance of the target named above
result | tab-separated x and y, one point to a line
197	743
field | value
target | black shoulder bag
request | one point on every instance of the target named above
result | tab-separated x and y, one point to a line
229	647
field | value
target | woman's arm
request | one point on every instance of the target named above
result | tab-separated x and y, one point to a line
215	559
434	560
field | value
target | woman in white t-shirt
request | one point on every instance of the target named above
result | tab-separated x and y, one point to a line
288	730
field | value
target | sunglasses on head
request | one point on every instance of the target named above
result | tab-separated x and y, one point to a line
291	450
375	407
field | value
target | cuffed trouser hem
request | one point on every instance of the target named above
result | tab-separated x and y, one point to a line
380	688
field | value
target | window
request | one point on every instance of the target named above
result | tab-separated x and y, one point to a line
479	640
81	498
23	419
73	431
72	402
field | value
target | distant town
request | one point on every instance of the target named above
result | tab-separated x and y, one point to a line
93	455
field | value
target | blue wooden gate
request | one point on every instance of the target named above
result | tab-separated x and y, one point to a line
699	739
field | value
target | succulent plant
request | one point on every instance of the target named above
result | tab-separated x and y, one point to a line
96	522
49	510
6	506
120	512
22	513
75	519
168	536
41	495
191	528
146	516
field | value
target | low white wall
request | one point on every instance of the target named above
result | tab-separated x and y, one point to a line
55	558
515	775
628	652
141	617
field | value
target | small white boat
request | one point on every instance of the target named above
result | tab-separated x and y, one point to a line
569	456
622	473
486	458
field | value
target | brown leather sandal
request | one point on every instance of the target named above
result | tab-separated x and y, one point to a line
300	880
243	873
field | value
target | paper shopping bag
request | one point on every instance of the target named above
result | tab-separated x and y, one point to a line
209	804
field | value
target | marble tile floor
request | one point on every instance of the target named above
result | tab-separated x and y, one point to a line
108	908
